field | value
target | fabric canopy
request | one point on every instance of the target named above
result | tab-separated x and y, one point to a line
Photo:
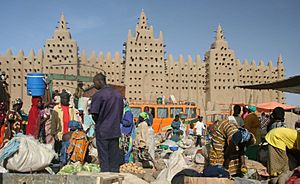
290	85
269	106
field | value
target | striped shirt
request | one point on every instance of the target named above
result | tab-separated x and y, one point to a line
221	135
264	122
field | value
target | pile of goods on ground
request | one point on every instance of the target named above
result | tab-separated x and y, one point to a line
132	168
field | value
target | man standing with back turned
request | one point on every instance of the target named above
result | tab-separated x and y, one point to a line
107	110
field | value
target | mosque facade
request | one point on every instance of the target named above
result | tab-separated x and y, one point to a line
146	71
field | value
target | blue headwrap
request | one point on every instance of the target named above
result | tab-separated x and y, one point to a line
74	125
241	136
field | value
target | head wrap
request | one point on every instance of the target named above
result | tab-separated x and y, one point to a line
65	98
278	113
74	125
144	115
252	108
241	136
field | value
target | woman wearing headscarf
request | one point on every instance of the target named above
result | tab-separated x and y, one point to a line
127	131
13	122
2	120
142	140
283	150
227	146
252	122
34	118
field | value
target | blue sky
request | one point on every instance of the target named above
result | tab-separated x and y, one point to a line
256	29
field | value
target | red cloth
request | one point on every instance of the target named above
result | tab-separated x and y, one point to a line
66	117
33	126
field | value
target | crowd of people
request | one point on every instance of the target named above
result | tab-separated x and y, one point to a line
229	139
73	123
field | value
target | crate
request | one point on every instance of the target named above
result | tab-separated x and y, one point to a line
104	178
193	180
82	178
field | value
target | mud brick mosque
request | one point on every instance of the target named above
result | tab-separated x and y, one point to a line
145	70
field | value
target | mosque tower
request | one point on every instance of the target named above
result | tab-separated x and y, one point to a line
221	70
144	63
61	54
280	76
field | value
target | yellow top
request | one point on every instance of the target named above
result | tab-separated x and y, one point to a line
284	137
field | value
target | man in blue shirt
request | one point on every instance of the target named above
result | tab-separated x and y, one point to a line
107	110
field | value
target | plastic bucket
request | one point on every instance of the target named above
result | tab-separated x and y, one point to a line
36	84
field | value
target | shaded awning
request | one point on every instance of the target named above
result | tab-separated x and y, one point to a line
269	106
290	85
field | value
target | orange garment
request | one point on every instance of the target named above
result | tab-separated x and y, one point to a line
252	123
78	146
2	132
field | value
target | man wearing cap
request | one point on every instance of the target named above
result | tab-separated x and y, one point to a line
107	111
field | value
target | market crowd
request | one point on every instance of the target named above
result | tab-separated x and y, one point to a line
75	125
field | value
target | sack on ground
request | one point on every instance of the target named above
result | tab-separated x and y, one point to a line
175	164
31	156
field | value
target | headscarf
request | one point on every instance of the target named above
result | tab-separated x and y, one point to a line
65	98
252	108
144	115
33	126
74	125
241	136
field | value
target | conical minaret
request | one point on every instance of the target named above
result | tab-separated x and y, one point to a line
142	24
220	41
62	23
280	76
61	50
61	31
280	68
219	33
